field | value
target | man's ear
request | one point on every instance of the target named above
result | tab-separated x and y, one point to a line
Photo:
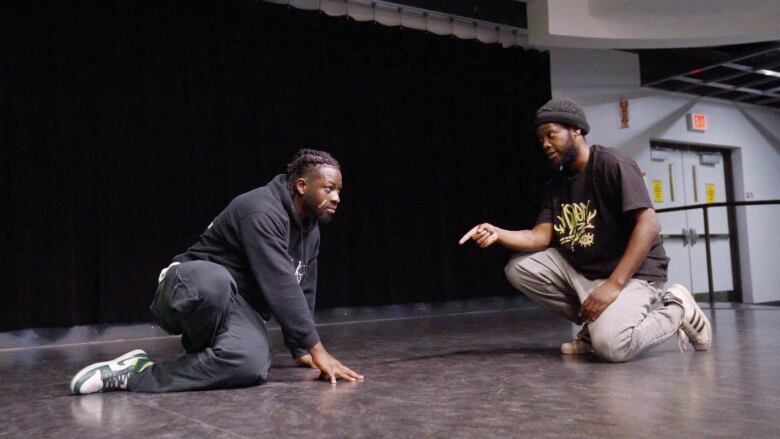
577	131
300	186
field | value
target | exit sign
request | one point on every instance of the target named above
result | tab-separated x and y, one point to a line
697	122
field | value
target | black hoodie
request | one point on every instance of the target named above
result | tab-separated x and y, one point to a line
272	255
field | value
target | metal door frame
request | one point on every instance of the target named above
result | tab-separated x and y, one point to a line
731	212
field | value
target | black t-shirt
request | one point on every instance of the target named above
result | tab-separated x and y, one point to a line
592	217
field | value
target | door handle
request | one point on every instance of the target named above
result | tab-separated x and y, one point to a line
685	236
693	236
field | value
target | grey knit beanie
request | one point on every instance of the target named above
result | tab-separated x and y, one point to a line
563	111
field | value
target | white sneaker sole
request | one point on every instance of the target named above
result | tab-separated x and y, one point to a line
91	367
576	348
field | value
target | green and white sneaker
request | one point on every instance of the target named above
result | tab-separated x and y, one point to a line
110	375
695	326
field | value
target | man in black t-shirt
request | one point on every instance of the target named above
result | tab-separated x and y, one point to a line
595	255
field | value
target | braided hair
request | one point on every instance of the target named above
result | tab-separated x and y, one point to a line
305	160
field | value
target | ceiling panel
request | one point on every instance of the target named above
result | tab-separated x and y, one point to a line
743	73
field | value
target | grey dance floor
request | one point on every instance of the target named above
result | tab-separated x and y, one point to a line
472	375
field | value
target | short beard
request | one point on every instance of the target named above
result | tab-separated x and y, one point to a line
313	210
569	154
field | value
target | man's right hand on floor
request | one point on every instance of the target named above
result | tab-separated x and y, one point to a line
330	367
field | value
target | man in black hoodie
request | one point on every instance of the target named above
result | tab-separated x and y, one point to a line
256	259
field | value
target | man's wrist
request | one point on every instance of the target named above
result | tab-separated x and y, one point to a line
317	348
616	282
500	236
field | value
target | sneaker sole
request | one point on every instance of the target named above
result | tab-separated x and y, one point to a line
568	348
565	351
91	367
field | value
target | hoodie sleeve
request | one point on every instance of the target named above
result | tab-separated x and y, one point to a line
309	286
265	244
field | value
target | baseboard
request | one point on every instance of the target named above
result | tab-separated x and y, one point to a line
43	337
720	296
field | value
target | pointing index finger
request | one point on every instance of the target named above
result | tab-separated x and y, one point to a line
468	235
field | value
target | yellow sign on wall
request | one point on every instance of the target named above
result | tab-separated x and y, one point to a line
658	191
709	189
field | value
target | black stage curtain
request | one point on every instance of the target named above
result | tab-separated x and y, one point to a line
126	126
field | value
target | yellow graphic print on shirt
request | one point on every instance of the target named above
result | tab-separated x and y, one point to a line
573	224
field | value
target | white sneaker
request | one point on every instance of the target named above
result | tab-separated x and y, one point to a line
695	325
109	375
580	344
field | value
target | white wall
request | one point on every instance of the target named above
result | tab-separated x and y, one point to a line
598	79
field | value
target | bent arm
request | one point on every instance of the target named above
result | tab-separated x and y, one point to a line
535	239
265	246
646	228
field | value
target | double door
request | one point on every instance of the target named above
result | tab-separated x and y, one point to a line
678	177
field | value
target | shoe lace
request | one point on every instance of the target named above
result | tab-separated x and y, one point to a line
115	381
682	337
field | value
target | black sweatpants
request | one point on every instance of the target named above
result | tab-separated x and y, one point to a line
225	338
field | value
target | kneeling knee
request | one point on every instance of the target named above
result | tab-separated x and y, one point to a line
212	281
610	349
251	368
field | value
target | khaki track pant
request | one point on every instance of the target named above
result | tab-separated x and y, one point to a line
626	328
